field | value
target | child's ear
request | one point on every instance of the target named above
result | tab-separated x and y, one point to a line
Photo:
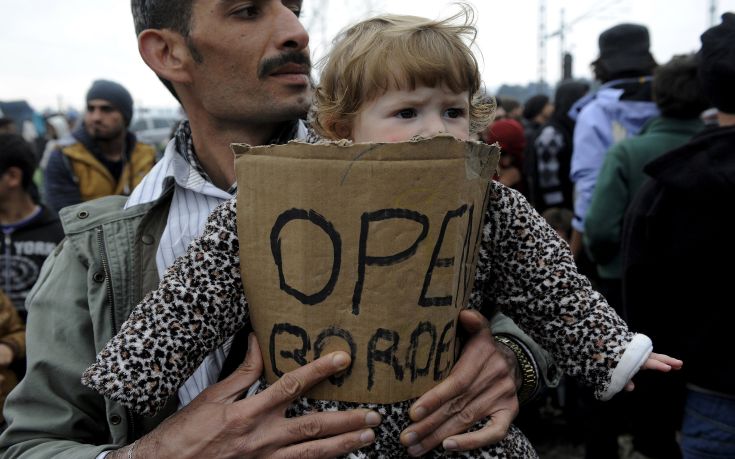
343	129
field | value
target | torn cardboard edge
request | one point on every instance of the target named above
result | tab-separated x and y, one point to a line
481	158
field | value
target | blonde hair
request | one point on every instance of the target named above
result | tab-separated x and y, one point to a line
393	51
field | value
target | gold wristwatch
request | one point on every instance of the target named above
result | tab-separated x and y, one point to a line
527	367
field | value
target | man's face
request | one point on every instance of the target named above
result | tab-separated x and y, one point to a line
250	60
103	121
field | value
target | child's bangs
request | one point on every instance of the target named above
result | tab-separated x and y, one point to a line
426	58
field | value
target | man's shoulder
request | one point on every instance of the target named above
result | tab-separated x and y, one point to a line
98	212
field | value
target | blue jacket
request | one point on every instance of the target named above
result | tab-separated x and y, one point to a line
603	119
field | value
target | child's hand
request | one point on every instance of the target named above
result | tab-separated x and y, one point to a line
658	362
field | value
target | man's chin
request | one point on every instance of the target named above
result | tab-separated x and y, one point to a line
103	136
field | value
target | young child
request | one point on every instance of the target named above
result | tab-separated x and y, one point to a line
388	79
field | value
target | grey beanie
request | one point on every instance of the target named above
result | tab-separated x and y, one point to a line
115	94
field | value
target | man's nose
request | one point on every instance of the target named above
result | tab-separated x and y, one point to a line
290	34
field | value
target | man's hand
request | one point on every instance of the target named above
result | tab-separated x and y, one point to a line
6	355
482	383
218	424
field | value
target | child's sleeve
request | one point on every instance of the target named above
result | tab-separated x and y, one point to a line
197	306
528	272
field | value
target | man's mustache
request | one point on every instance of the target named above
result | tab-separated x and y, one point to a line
269	65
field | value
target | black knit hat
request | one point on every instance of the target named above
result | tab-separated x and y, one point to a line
717	64
625	48
115	94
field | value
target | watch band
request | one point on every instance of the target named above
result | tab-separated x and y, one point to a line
527	367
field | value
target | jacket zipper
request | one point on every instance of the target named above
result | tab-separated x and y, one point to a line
110	300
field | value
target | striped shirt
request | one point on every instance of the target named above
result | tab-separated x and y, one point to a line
194	198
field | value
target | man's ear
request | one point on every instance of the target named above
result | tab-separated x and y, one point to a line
166	53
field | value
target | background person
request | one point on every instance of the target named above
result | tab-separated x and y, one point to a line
102	157
30	231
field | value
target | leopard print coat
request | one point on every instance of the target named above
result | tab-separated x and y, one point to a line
524	269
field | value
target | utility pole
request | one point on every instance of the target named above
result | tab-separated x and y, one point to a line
712	13
566	57
542	45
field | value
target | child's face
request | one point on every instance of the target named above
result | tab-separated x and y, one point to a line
401	114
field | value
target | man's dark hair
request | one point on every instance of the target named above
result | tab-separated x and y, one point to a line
165	14
162	14
677	90
16	152
509	104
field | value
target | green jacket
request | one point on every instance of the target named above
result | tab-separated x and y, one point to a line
620	178
85	291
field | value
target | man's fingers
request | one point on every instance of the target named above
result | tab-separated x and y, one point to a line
324	425
462	378
339	445
417	432
432	432
472	321
247	373
446	392
495	430
295	383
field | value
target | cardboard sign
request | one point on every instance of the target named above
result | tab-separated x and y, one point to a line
367	248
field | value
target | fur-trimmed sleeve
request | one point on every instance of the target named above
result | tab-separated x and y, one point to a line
197	306
527	271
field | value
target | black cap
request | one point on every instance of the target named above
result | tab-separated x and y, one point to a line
625	48
717	64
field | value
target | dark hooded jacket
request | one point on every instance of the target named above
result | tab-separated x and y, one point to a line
678	252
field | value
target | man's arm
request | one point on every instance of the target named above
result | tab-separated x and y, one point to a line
544	370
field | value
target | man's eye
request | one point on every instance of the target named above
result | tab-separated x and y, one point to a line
247	12
454	113
406	113
295	7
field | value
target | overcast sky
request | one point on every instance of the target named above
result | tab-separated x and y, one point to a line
53	49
